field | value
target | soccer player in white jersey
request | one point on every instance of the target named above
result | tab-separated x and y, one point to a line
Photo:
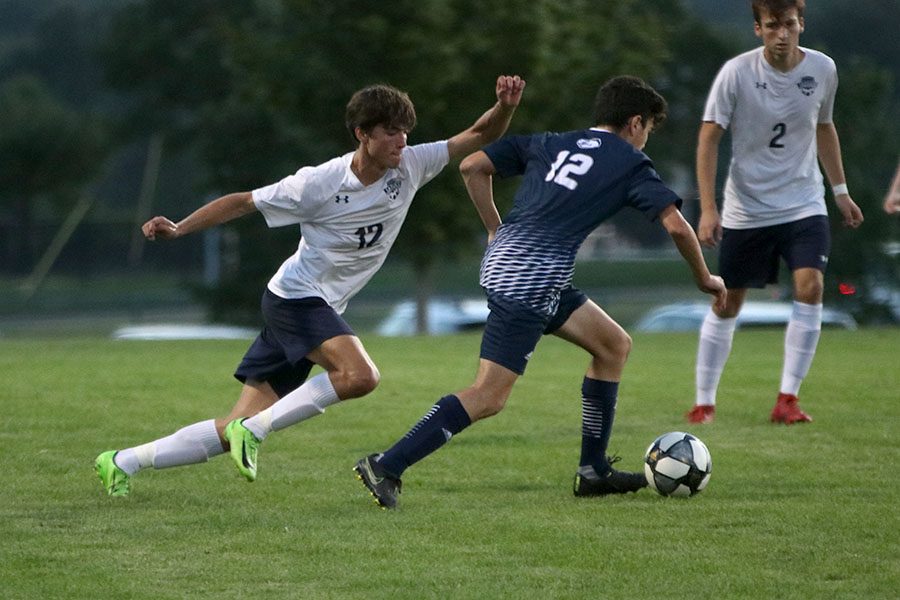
777	100
571	182
351	209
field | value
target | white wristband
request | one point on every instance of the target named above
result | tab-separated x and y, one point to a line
839	189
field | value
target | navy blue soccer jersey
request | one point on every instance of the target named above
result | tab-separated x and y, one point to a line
571	183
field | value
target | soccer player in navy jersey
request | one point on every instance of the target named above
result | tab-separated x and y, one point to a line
351	209
571	183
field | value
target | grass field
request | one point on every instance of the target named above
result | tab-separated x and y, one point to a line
802	512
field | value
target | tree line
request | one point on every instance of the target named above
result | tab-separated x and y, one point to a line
234	94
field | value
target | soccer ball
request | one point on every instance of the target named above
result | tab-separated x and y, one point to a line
677	464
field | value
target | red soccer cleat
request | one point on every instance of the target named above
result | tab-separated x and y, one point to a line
787	411
701	414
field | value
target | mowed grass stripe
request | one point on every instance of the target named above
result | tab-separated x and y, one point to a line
791	512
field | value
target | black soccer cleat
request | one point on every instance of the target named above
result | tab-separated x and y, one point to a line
383	487
588	483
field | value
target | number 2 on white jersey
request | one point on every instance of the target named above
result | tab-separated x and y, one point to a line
569	164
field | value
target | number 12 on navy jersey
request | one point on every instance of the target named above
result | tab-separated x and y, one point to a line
568	164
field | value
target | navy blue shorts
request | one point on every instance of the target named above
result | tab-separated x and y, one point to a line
513	329
293	329
748	258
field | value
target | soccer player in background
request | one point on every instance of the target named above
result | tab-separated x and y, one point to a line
571	183
892	198
777	100
351	209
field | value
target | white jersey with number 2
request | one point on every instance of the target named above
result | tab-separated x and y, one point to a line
774	174
347	228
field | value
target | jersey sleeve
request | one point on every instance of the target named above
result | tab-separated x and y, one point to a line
647	192
425	161
720	103
291	200
826	110
509	155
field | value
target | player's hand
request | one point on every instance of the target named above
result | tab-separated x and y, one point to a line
853	216
159	227
709	231
509	89
892	203
715	286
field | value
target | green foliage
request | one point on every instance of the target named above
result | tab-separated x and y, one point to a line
858	28
44	145
47	152
245	92
865	118
260	87
801	512
52	138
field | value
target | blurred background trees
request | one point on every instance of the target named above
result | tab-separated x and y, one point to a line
157	106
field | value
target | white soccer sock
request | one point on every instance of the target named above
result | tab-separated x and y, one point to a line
195	443
716	335
800	341
308	400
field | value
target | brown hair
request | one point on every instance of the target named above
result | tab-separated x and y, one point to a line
379	105
776	8
625	96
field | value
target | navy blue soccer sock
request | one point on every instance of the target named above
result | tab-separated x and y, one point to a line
443	421
598	409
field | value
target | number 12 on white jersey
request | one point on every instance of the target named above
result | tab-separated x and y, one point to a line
566	165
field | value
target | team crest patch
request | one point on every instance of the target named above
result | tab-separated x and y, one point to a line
808	85
392	189
588	143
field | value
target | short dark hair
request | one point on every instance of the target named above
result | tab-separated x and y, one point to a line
776	8
379	105
625	96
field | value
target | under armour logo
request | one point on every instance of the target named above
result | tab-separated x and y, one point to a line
762	84
338	199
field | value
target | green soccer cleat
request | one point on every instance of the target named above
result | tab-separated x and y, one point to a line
115	480
244	447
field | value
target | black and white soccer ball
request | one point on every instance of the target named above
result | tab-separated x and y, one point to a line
677	464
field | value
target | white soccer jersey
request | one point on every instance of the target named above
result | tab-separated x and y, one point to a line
347	228
774	175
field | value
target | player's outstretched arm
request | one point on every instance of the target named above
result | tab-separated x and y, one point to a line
477	173
689	246
220	210
492	124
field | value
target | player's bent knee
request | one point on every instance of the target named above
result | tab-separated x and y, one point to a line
623	345
615	349
355	383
